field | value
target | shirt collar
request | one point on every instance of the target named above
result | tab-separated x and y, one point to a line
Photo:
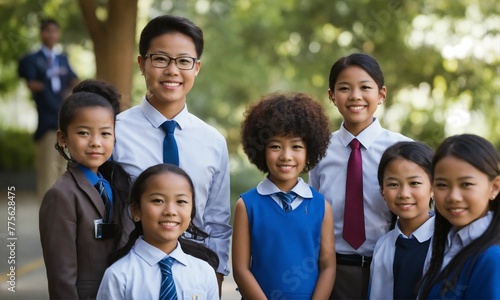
156	118
366	137
49	52
152	255
90	175
267	187
469	233
422	233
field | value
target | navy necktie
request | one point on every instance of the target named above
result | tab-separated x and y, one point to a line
167	289
170	150
105	198
354	218
287	199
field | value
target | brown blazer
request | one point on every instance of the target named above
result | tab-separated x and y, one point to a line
75	260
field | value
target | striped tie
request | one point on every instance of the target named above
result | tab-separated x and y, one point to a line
105	198
286	200
167	289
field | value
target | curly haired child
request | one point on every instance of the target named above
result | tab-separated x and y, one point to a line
283	243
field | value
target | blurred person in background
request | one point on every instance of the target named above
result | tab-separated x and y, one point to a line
50	78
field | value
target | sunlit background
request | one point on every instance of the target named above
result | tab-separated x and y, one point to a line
441	62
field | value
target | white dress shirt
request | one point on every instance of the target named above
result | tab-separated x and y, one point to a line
138	276
203	155
53	70
329	178
381	270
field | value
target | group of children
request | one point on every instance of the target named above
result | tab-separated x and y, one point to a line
289	237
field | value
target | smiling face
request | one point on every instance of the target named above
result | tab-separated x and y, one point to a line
165	210
168	87
357	96
286	158
462	192
407	191
90	136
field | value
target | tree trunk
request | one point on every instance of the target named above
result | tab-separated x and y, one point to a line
114	43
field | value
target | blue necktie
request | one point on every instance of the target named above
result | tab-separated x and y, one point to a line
167	289
287	199
170	150
105	198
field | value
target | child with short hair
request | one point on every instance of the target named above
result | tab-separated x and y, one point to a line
356	88
163	206
465	260
404	176
80	212
283	226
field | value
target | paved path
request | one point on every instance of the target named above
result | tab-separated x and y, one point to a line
30	277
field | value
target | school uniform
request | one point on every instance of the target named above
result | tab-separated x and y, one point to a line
137	275
329	178
75	260
285	246
203	155
382	271
480	277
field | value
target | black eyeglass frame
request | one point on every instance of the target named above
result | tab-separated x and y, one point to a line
152	55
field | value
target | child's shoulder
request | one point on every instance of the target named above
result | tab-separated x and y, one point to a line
63	183
492	252
315	193
125	260
126	114
488	262
397	137
386	134
386	239
250	193
125	266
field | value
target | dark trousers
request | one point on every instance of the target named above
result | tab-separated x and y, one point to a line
351	282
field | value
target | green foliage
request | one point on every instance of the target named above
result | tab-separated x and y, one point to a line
440	58
17	150
255	47
435	87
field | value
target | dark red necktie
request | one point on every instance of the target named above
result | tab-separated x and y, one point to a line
354	219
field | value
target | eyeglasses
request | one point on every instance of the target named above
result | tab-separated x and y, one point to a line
163	61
